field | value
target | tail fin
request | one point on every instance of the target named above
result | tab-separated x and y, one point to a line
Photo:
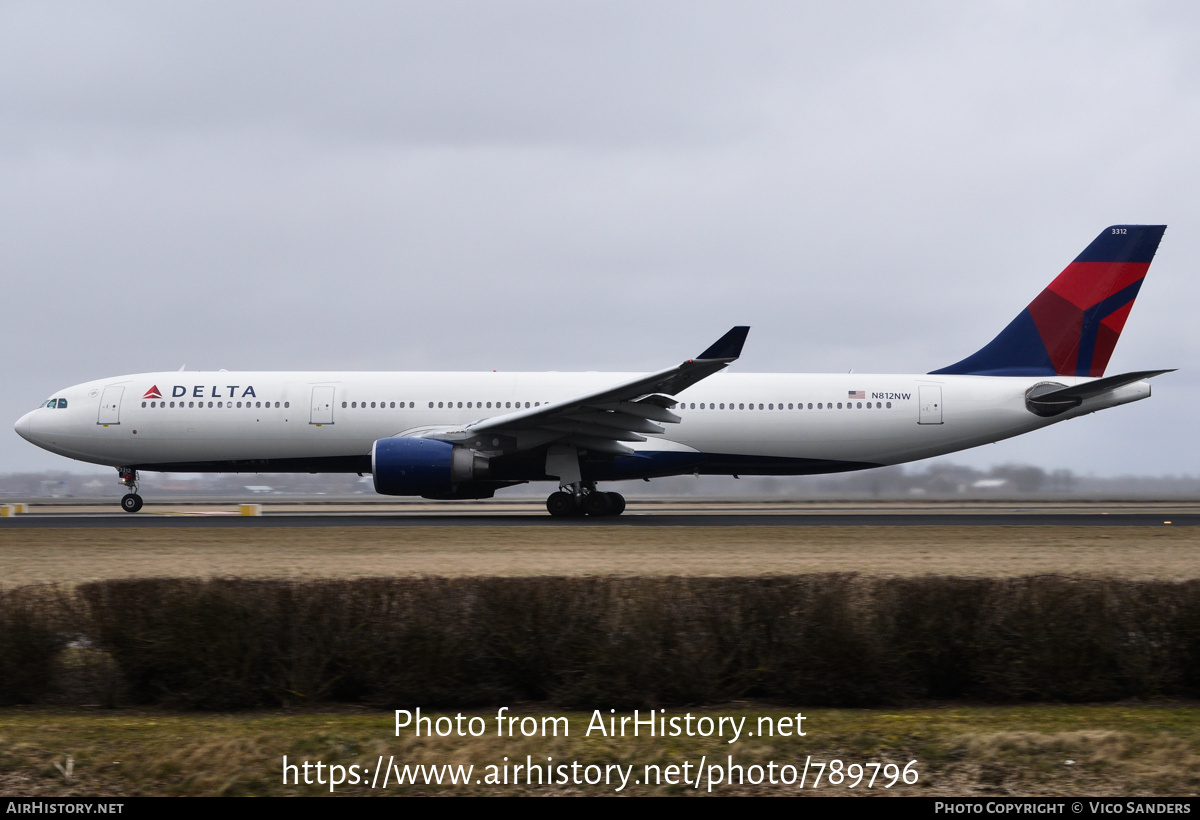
1071	328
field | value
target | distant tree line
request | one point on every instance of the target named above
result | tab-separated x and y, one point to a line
936	480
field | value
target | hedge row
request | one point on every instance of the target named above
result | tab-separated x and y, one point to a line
836	640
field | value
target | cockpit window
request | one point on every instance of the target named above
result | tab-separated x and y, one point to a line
55	403
62	403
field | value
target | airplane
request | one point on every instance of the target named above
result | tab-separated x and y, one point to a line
467	435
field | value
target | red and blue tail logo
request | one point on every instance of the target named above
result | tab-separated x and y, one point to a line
1072	327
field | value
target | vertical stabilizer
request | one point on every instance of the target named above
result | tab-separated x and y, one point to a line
1072	327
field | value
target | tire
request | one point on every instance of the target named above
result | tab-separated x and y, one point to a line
618	503
560	505
597	504
131	502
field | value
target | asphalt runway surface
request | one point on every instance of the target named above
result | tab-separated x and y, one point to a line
73	543
655	514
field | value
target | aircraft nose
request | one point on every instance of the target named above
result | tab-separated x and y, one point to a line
24	426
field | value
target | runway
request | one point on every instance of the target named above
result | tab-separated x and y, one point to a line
657	513
71	543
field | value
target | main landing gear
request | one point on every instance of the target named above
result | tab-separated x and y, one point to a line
131	502
585	501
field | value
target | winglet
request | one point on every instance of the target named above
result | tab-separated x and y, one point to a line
728	346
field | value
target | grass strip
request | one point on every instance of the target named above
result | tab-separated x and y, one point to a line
1118	750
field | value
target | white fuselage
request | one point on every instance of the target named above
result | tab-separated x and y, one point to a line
731	423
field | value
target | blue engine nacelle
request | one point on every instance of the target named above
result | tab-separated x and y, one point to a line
423	466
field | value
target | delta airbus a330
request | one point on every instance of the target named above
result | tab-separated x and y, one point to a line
467	435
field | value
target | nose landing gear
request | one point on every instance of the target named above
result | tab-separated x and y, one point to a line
131	502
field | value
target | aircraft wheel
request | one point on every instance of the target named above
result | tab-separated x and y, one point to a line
618	503
131	502
598	504
560	505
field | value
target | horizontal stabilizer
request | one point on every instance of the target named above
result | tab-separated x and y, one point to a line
1050	400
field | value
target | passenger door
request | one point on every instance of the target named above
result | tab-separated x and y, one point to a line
929	397
322	405
110	405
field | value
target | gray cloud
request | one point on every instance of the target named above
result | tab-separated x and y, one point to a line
588	186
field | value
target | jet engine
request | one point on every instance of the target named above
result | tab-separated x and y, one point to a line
423	466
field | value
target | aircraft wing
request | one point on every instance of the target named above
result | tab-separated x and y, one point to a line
599	421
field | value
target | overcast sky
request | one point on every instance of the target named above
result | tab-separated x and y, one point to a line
591	186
